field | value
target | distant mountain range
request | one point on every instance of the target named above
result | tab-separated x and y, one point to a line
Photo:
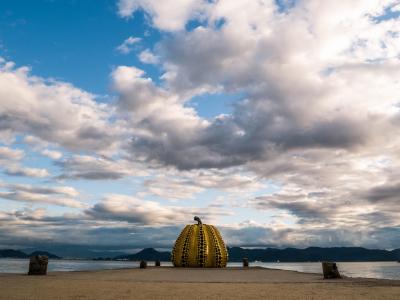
70	251
147	254
48	254
236	254
10	253
313	254
13	253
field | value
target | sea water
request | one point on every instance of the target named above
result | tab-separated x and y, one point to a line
376	269
382	270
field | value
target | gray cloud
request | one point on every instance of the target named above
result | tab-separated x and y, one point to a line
185	185
37	198
56	195
289	102
61	190
68	230
275	114
142	212
27	172
386	193
97	168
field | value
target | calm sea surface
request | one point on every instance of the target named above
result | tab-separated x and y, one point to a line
387	270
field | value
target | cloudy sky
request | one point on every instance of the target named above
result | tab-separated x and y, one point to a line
276	120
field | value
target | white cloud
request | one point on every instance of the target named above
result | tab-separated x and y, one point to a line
28	172
170	15
395	7
7	154
52	154
11	164
152	111
148	57
54	112
126	46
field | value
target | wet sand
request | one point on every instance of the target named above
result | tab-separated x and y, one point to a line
174	283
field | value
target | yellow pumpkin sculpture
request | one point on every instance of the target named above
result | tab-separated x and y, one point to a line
199	245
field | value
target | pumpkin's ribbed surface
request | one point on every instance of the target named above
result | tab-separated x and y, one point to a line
200	245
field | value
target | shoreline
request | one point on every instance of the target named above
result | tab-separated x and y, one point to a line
181	283
234	265
210	269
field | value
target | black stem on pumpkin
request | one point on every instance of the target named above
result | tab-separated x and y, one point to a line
196	218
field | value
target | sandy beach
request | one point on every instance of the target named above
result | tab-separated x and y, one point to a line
174	283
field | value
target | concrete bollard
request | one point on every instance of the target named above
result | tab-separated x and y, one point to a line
158	263
330	270
245	262
143	264
38	265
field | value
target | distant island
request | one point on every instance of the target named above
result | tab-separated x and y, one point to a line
236	254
